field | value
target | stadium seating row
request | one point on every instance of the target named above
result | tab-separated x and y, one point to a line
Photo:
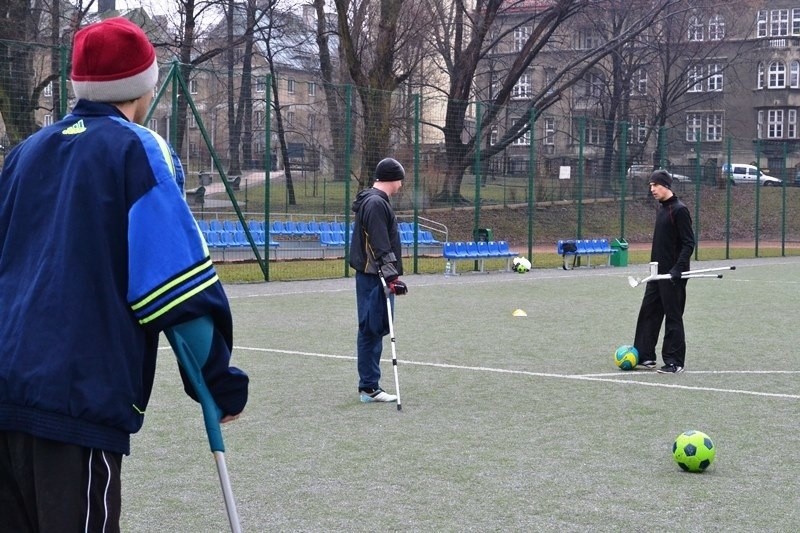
477	251
329	233
336	238
571	250
234	239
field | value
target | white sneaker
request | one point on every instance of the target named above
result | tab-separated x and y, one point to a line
376	395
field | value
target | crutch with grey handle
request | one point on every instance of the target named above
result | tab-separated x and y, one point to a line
689	274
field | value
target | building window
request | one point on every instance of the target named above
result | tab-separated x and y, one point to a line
714	127
587	40
774	123
312	88
290	86
593	85
715	77
290	118
311	122
796	21
549	131
791	124
760	125
778	22
261	85
593	132
716	28
258	118
695	78
48	120
694	127
521	36
153	124
777	75
761	24
639	83
48	89
193	86
760	79
522	89
524	139
641	131
493	136
696	28
794	74
190	120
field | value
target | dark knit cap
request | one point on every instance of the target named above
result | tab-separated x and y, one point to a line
661	177
389	170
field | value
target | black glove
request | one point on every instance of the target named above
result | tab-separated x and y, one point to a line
674	275
397	287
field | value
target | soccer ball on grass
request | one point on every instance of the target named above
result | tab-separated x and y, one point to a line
694	451
626	357
521	264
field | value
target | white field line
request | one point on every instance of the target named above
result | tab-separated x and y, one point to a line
591	377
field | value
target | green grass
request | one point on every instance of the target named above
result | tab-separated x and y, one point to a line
508	424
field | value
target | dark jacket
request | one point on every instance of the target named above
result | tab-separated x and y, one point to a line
673	237
376	238
98	254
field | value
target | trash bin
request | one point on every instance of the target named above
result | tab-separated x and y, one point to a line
620	256
482	235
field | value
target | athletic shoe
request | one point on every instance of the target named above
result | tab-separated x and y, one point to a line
670	369
376	395
650	365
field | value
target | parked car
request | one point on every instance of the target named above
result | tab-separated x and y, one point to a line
643	172
741	173
797	179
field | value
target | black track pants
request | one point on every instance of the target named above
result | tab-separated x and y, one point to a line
48	486
663	301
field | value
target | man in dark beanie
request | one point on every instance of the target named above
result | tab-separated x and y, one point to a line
99	253
376	247
665	300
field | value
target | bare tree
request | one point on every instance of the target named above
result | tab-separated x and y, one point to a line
333	96
26	27
370	38
466	39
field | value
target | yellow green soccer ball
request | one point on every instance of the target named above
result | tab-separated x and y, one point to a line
626	357
694	451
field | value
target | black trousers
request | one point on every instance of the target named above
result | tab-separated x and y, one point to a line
48	486
663	301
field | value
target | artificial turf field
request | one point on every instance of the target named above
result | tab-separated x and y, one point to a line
508	423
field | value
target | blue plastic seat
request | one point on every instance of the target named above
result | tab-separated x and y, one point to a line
215	225
449	250
213	239
503	248
482	248
277	228
461	249
203	225
255	225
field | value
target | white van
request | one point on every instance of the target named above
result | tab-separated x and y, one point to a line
741	173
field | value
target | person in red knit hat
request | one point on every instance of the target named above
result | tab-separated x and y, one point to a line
99	253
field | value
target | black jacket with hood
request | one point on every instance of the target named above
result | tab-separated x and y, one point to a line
376	238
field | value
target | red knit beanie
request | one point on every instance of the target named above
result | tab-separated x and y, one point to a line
113	61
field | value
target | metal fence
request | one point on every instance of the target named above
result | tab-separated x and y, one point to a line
284	213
